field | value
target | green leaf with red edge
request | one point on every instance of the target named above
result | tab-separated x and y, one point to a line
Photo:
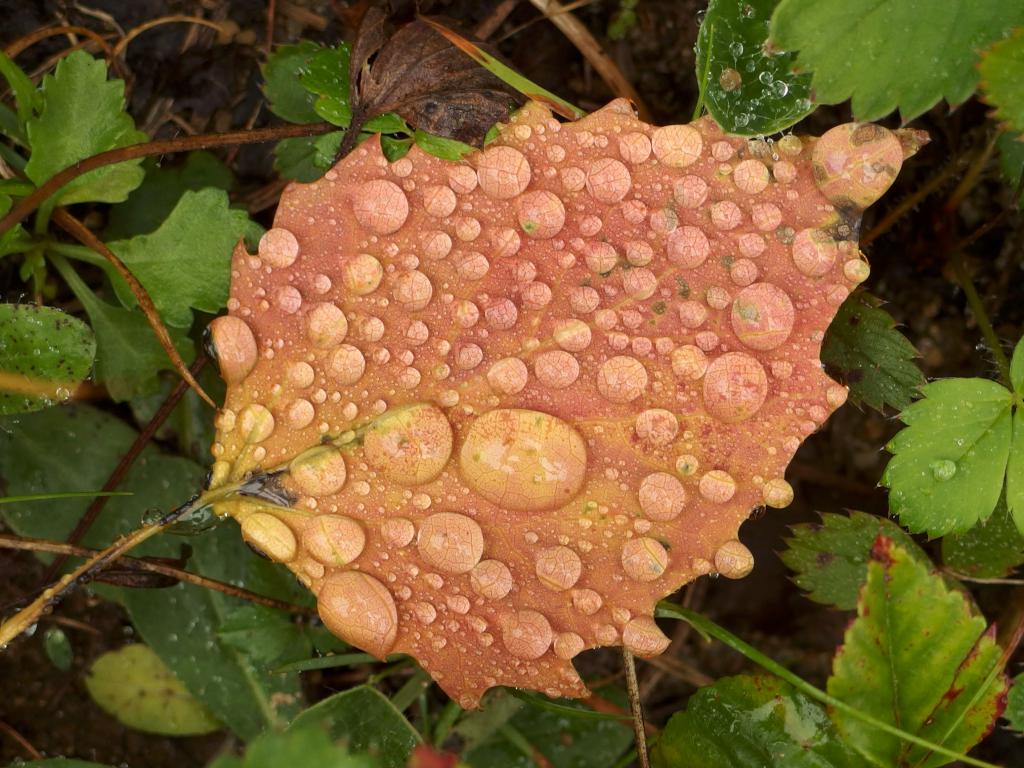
830	558
80	114
867	353
918	656
1002	79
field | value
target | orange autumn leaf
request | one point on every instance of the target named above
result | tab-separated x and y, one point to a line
492	411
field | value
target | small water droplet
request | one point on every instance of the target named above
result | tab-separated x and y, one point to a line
943	469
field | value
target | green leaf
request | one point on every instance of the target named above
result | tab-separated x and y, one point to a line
82	114
58	648
987	551
830	558
26	97
947	469
750	722
307	157
1011	161
1015	471
61	762
748	91
186	263
310	747
439	146
870	356
43	350
128	355
889	54
1017	368
326	75
1014	713
568	738
916	656
1002	79
77	447
282	83
267	637
365	721
160	191
133	685
15	239
190	425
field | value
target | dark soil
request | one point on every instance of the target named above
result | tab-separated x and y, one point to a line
185	72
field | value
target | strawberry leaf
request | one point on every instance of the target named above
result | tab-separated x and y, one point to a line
870	356
916	655
364	720
42	351
1002	79
184	264
748	90
80	114
282	82
891	54
830	558
949	463
990	550
1011	161
751	721
1014	713
138	689
307	157
301	746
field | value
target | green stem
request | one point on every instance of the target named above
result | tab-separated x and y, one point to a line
445	721
702	80
705	625
956	261
62	495
408	693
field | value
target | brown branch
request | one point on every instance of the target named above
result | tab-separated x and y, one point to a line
85	236
126	462
175	19
25	744
150	148
636	707
142	564
23	43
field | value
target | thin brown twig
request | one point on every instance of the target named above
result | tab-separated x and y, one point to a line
905	205
592	51
159	147
268	43
173	19
25	744
142	564
27	41
85	236
636	707
118	474
494	19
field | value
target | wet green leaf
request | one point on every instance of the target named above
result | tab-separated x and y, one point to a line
282	83
77	447
326	75
439	146
509	736
137	688
830	558
1017	368
891	54
26	97
751	722
748	90
365	721
1015	470
306	747
948	464
987	551
61	762
128	356
185	264
15	239
58	648
306	158
80	114
148	206
868	354
267	637
917	656
42	350
1002	79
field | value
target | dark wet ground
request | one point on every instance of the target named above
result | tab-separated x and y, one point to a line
182	78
